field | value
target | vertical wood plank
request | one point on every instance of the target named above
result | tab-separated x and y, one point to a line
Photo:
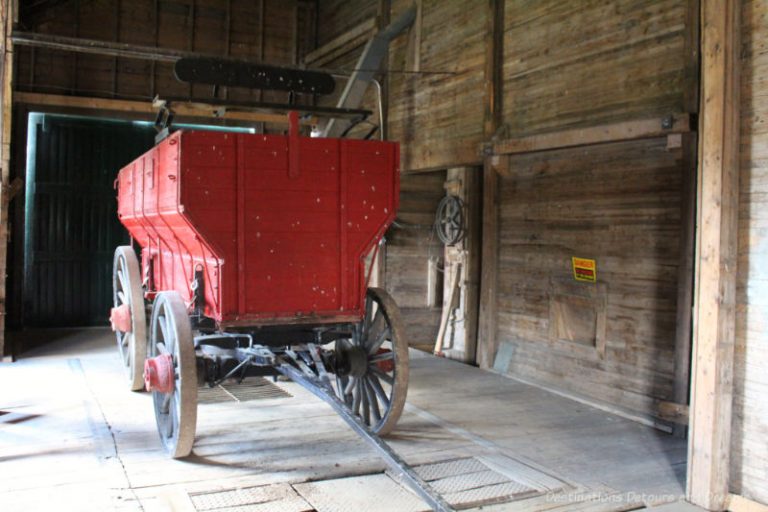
691	49
494	56
383	11
6	103
685	274
487	343
494	60
153	65
714	298
228	37
115	61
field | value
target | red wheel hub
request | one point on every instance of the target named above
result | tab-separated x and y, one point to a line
158	374
387	365
120	318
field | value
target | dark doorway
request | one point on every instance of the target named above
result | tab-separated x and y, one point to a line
71	227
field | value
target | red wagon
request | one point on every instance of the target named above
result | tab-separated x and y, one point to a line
253	252
253	263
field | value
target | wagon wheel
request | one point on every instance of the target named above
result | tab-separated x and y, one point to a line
171	375
128	317
372	367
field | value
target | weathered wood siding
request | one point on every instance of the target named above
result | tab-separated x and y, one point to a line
749	453
272	31
618	204
334	17
588	62
408	252
439	117
580	64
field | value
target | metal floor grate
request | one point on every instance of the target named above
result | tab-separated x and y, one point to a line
253	388
468	482
268	498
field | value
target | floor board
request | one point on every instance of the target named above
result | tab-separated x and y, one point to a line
74	436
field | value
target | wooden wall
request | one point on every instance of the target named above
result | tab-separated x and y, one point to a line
749	451
618	204
409	249
273	31
334	17
440	116
585	64
588	62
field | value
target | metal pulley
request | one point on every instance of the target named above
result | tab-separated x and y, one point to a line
450	223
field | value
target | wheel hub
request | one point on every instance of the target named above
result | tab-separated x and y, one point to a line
120	318
352	361
158	374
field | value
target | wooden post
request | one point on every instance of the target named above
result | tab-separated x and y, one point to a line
6	104
383	17
685	276
486	349
716	244
494	80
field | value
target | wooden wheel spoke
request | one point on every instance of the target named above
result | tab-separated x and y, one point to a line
384	356
366	405
368	312
124	284
376	345
356	401
165	407
350	386
121	297
378	326
161	348
379	390
380	374
168	337
372	402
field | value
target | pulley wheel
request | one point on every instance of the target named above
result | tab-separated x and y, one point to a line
128	300
374	381
171	343
449	220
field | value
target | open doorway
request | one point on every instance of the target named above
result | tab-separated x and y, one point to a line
70	220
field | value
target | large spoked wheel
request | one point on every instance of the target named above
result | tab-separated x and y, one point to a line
171	374
372	365
129	319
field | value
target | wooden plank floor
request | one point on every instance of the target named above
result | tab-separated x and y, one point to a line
72	437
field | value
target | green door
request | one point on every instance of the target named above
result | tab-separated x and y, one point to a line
71	226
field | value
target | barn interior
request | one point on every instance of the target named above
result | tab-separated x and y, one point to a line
578	254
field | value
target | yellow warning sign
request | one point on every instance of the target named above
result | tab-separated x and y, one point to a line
584	270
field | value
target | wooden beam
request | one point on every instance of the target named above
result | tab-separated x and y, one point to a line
614	132
738	503
716	244
494	64
691	54
674	412
98	47
383	16
341	45
182	110
681	385
487	342
7	16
